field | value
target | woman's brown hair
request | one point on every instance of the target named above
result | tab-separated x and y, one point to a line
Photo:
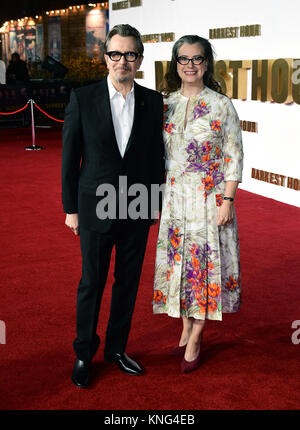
172	79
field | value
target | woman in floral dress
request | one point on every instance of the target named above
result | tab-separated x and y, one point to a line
197	271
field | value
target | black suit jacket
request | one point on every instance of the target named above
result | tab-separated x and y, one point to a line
90	154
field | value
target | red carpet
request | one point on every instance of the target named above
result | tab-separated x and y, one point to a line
249	360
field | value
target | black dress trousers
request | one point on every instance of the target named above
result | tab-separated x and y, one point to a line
130	240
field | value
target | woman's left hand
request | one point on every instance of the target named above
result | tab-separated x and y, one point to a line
225	213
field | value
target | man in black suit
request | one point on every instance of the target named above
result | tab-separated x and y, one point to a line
112	139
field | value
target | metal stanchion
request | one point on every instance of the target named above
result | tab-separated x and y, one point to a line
33	146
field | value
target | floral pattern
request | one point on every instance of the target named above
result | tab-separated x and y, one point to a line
201	109
169	127
174	239
197	269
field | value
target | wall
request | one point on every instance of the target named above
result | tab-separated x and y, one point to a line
73	33
275	147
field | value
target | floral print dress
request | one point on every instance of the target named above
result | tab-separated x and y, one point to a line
197	269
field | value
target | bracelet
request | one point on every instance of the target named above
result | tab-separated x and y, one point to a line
229	198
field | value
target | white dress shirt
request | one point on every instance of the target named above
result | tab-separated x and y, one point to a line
122	114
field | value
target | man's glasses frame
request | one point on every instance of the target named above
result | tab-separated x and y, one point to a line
130	56
196	60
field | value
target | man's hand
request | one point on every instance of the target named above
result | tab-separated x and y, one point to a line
72	223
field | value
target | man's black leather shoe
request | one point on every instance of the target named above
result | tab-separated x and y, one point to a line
81	375
125	363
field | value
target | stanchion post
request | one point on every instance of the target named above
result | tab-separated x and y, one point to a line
33	146
32	123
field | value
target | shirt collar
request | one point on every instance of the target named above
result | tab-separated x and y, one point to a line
112	91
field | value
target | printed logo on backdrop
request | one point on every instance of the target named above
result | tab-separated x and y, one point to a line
250	126
158	37
274	80
276	179
230	32
139	74
126	4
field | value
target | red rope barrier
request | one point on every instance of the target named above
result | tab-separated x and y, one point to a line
58	120
24	107
11	113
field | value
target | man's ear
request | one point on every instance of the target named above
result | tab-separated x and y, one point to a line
140	60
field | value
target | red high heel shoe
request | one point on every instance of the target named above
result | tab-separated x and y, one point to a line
190	366
178	350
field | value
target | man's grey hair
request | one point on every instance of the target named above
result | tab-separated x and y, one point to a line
125	30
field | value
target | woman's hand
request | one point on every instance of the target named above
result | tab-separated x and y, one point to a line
225	213
72	223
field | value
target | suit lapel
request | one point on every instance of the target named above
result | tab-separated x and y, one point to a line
104	114
138	108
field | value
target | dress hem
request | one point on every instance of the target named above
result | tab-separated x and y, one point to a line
190	316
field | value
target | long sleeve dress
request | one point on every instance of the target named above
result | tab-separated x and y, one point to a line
197	269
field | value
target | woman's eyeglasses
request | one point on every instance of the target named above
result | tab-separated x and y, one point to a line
197	60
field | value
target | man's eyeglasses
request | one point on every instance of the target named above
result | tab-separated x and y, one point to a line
129	56
197	60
